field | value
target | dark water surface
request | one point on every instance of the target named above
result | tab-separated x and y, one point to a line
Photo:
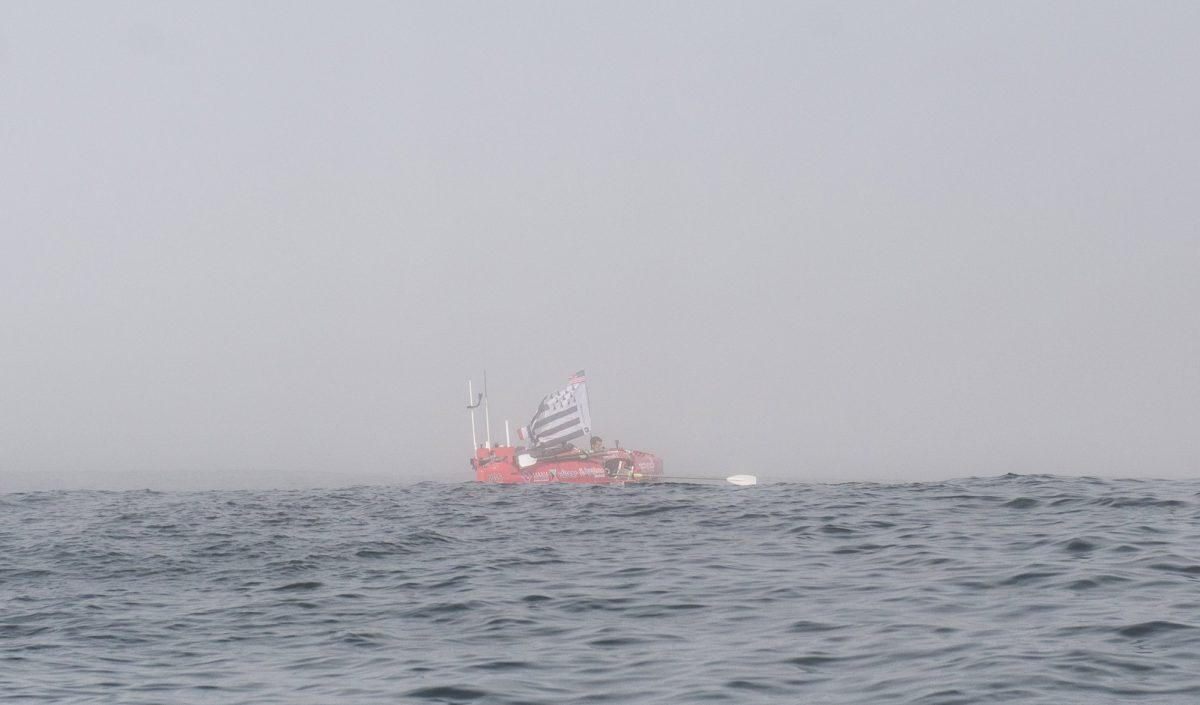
1012	589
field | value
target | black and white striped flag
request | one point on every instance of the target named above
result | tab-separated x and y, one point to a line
562	416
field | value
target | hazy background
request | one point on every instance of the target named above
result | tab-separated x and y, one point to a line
266	244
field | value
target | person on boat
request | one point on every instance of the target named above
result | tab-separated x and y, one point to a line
612	466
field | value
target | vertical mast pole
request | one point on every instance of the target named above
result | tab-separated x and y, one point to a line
507	440
471	410
487	417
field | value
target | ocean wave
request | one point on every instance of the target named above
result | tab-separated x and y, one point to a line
1035	589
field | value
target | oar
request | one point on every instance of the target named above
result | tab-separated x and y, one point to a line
732	479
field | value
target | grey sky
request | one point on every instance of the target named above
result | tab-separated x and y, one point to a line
267	243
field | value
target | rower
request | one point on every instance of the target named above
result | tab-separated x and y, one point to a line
612	466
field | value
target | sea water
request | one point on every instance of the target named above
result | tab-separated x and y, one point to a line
1009	589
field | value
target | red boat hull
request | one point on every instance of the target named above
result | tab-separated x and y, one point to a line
611	467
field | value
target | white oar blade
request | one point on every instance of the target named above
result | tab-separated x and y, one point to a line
742	480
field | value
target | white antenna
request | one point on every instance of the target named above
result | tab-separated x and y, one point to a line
487	417
507	440
471	404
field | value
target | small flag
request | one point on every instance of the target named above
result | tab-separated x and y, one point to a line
523	433
577	378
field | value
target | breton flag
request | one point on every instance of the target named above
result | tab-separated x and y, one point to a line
563	415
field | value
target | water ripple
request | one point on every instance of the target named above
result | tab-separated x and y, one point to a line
1031	589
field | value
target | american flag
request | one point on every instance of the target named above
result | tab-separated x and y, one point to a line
577	378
